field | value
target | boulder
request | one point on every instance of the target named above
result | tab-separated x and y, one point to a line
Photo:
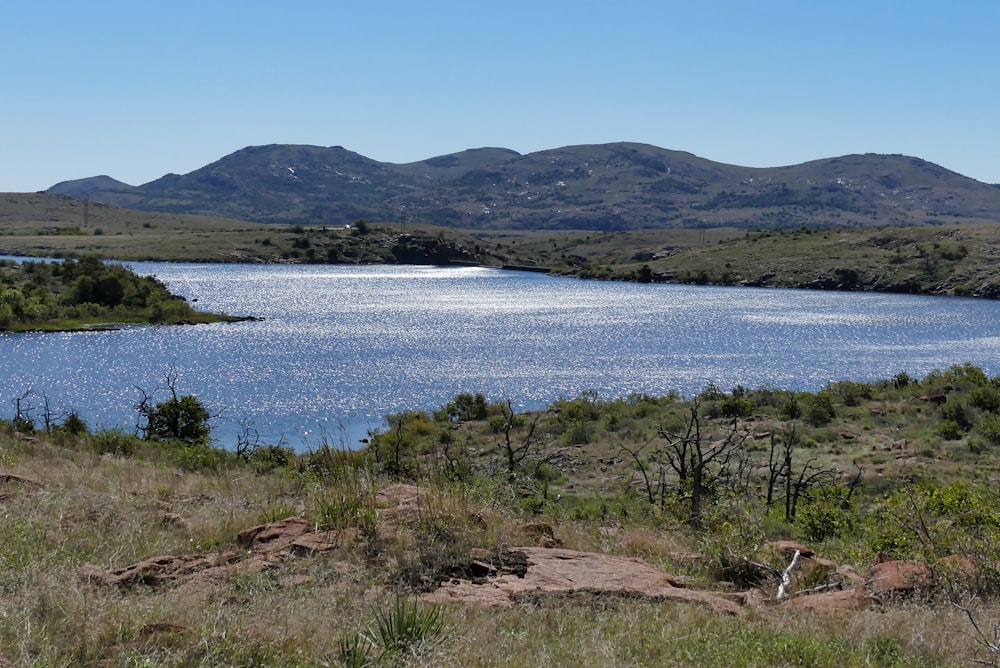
895	577
787	548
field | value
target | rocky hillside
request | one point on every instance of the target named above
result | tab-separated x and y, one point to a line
601	187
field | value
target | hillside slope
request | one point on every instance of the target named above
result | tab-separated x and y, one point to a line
618	186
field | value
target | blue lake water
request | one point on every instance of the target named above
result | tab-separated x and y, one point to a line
344	346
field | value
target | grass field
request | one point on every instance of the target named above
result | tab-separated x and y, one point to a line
905	475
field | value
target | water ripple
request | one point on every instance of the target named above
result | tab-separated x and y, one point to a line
351	344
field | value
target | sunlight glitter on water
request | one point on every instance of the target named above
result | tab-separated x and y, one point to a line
351	344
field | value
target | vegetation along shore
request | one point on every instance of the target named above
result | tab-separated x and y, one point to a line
853	526
87	294
934	259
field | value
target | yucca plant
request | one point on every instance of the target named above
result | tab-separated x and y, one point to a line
356	651
407	626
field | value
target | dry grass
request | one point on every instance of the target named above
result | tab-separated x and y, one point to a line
109	512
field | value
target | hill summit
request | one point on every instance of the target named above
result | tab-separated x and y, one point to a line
607	187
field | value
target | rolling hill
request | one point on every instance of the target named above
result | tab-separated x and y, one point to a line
616	186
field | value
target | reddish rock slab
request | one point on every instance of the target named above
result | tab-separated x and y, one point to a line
788	548
400	502
830	601
274	536
557	571
897	577
11	478
316	541
959	564
261	544
158	570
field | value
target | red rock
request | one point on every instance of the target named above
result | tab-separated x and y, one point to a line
959	564
897	577
316	541
261	544
273	537
844	599
155	570
554	571
788	548
11	485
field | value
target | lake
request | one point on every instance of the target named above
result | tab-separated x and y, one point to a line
342	346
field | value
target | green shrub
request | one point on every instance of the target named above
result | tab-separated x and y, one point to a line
74	424
989	429
977	446
737	407
266	458
967	373
184	418
466	406
985	398
344	510
954	411
852	393
949	430
790	409
404	631
333	462
819	410
114	442
826	517
195	456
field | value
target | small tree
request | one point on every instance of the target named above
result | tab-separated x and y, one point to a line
695	459
181	418
467	406
515	450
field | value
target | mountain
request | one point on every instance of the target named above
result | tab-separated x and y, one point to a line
602	187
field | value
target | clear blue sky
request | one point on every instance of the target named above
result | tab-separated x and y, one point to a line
137	89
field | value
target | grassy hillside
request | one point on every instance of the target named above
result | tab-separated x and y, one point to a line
925	259
940	260
116	551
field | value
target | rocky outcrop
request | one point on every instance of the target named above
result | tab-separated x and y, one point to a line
558	571
11	485
262	547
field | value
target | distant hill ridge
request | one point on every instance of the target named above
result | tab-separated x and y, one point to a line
601	187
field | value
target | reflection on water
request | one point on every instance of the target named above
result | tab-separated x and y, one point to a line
347	345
